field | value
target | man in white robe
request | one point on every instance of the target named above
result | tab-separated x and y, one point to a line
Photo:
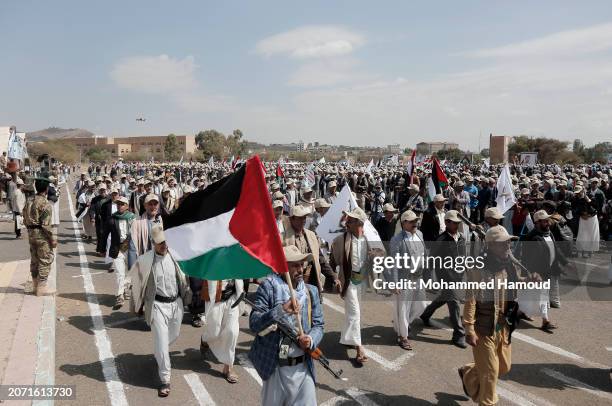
221	322
160	290
409	303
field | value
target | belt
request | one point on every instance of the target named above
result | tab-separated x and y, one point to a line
164	299
289	362
34	227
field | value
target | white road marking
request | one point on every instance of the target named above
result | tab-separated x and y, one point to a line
391	365
199	390
609	348
246	364
511	393
360	397
540	344
334	401
557	350
578	384
91	273
114	386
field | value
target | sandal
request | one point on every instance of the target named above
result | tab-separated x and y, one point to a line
548	327
361	358
404	343
231	377
164	391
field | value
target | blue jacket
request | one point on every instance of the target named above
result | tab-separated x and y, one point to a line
271	296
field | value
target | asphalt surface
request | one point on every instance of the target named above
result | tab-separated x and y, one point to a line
108	354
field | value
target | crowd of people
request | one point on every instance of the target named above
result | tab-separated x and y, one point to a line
558	212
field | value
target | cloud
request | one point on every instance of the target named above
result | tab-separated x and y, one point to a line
561	44
316	41
155	74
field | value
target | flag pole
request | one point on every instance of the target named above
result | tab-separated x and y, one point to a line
293	300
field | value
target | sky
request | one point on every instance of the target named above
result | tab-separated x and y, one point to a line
336	72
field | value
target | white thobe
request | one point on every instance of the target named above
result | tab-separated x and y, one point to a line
167	317
221	323
409	303
351	330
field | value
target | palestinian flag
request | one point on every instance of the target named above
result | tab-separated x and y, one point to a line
438	181
228	230
279	170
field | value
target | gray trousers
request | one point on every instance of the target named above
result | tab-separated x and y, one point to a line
451	300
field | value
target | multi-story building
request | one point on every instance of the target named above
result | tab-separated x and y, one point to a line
428	148
300	146
120	146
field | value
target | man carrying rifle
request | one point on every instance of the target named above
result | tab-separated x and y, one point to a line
286	367
489	316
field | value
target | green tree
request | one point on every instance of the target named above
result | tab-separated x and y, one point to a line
452	154
211	143
98	154
548	149
235	144
598	152
172	150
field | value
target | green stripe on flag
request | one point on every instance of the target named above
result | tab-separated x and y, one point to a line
231	262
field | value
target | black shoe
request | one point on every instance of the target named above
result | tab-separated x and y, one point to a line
460	372
460	342
426	321
555	305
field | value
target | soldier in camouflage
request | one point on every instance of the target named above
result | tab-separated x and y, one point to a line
37	217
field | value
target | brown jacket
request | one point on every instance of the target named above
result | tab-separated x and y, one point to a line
340	255
313	243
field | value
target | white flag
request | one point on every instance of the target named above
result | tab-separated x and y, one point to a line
322	160
211	160
370	166
505	193
330	227
309	176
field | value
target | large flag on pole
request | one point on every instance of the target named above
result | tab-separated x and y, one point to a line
411	165
505	194
330	227
228	230
438	181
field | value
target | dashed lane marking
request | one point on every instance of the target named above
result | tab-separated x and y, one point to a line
114	386
199	390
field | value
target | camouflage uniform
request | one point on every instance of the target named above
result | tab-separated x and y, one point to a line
37	218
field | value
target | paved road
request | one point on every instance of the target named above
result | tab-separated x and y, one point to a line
108	354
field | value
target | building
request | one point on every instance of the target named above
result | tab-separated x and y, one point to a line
120	146
300	146
428	148
394	148
498	148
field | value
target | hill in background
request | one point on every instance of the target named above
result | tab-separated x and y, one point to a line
55	133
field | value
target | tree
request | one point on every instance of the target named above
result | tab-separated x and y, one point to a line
236	145
58	149
453	154
98	154
548	149
598	152
484	153
211	143
172	150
